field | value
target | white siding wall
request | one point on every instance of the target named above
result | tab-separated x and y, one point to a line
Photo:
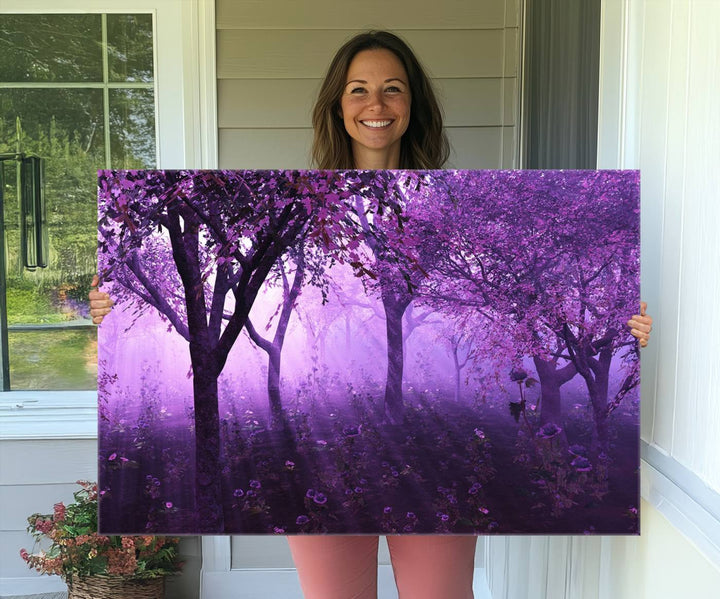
660	84
271	57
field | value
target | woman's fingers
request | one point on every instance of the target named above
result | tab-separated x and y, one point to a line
100	302
641	325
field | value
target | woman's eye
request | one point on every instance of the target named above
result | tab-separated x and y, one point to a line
357	90
393	89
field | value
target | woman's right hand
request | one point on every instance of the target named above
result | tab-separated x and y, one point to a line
100	302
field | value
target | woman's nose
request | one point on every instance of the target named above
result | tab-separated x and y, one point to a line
375	99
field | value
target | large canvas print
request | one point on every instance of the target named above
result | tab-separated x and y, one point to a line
385	352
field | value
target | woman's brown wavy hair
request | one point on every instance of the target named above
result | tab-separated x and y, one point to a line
424	144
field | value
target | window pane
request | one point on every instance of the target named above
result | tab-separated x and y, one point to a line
130	47
53	359
65	127
50	48
52	343
132	128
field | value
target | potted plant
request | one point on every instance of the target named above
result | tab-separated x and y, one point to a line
94	565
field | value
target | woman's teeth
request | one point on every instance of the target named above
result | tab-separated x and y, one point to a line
376	124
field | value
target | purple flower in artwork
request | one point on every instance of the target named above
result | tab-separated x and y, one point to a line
278	530
411	516
479	433
320	499
112	457
359	490
474	489
408	528
310	493
549	430
484	510
395	473
255	484
576	449
168	504
250	493
581	464
302	519
289	464
351	430
348	491
387	510
238	492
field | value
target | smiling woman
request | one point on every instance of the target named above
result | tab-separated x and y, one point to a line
373	78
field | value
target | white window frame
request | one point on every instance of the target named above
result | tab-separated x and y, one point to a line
186	134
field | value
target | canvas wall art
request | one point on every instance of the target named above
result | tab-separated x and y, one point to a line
385	352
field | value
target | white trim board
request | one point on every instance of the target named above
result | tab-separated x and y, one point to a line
680	495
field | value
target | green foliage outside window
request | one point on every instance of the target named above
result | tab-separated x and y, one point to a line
80	113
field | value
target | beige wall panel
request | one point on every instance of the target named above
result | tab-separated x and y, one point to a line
471	102
273	54
512	13
266	102
52	461
278	103
19	501
265	148
11	564
510	153
375	14
471	147
258	551
475	147
512	52
510	110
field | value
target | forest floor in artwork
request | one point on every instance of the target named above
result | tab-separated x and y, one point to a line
450	468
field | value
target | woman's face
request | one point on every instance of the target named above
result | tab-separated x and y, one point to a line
375	108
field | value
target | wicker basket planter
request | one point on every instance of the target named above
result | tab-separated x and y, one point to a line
116	587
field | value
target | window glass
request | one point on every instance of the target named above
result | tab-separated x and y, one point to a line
132	128
130	47
52	343
37	48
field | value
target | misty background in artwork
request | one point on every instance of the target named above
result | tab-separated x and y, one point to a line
369	352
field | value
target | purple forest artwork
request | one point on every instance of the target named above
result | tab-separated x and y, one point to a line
385	352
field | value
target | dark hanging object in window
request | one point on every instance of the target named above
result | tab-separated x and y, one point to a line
34	246
34	234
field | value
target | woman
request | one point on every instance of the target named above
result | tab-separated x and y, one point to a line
377	110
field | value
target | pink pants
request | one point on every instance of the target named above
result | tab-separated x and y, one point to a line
345	567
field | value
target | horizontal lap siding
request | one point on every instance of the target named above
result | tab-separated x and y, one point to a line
271	60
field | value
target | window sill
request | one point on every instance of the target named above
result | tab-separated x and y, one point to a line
48	415
683	498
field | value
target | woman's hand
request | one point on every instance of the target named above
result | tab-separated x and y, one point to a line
100	302
641	325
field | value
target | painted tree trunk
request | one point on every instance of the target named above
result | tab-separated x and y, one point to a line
207	445
394	310
551	379
599	399
274	397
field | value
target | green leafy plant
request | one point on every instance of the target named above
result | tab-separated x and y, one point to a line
77	550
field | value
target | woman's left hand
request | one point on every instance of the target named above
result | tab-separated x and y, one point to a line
641	325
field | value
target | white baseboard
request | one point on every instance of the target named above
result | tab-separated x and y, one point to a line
284	584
